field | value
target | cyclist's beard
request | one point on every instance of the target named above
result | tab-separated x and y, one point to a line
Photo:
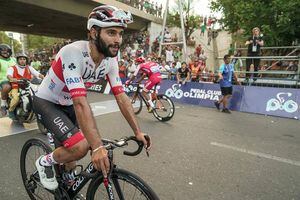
103	48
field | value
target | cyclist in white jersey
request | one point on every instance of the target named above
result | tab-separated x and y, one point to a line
61	100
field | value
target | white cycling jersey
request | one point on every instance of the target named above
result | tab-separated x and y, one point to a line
73	71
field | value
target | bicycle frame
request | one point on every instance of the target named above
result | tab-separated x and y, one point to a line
81	181
137	92
91	173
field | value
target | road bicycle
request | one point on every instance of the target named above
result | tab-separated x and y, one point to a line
164	107
120	184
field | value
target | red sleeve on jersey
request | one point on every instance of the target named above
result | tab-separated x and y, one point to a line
79	92
117	90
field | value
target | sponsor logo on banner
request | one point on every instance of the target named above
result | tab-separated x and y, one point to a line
281	103
194	93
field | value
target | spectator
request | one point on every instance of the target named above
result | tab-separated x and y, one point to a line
237	62
122	69
211	76
226	73
231	50
169	55
209	36
172	72
177	53
128	50
36	64
254	43
198	50
293	66
203	28
131	68
175	38
195	70
202	58
183	74
164	67
168	37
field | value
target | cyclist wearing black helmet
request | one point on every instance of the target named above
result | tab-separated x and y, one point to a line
61	100
6	61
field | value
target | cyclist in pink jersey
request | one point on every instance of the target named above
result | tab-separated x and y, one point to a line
150	70
61	101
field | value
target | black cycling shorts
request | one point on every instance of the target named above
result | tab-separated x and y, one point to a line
226	91
59	120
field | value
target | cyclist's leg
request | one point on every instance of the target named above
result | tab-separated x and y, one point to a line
61	121
57	119
148	85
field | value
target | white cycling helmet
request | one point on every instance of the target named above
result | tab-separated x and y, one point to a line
108	16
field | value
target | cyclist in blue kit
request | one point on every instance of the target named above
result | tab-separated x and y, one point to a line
226	74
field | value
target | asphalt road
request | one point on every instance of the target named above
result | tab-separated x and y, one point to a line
200	154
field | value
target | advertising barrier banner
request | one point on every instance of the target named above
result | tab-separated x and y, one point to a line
282	102
203	94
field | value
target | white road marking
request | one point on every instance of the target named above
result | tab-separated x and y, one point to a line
263	155
7	127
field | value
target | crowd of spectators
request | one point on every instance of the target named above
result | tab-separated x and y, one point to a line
171	61
147	6
42	59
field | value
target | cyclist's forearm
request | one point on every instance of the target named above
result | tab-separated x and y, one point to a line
87	122
127	111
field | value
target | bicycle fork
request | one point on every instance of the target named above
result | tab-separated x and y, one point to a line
107	181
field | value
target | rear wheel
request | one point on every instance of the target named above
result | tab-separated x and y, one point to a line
164	108
125	185
136	101
31	151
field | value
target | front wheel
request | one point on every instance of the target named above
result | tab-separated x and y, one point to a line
31	151
136	102
164	108
125	185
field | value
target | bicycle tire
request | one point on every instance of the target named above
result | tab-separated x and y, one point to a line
138	105
171	108
30	184
117	176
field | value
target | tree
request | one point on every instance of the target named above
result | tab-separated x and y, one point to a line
4	39
191	21
36	42
279	20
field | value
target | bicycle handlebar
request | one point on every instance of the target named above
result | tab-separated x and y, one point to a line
111	145
124	141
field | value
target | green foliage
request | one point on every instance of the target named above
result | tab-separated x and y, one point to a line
6	40
279	20
191	22
36	42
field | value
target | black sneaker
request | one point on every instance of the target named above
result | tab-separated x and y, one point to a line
226	110
217	105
